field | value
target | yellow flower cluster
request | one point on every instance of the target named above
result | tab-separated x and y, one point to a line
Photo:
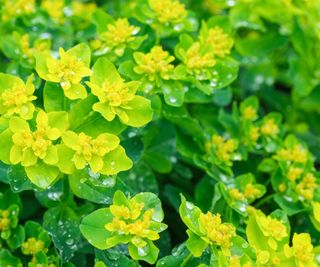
215	231
168	11
116	94
294	173
31	145
296	154
223	149
307	186
54	9
132	222
301	250
272	228
254	133
17	98
157	62
236	194
68	70
118	33
220	42
269	127
235	262
4	220
17	8
29	51
264	258
196	60
249	113
83	10
32	246
250	192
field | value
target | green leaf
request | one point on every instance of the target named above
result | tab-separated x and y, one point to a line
7	259
173	93
82	52
81	110
58	119
42	175
195	244
189	214
92	228
96	189
149	253
103	70
159	144
114	258
18	179
95	124
53	97
63	226
5	144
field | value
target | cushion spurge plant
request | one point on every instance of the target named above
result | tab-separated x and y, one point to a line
135	221
166	133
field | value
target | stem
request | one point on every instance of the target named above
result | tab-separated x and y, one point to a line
264	200
185	261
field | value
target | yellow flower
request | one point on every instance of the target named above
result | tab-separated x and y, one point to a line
263	256
294	173
32	246
16	96
282	187
131	220
88	150
301	250
269	127
236	194
69	70
38	46
296	154
54	9
235	261
254	133
251	192
196	60
215	231
29	146
223	149
168	11
272	228
307	186
83	10
119	33
249	113
156	63
16	8
4	220
220	42
116	94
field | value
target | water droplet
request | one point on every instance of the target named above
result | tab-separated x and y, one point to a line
172	99
132	134
135	31
213	82
143	251
259	79
178	27
69	241
93	174
109	182
189	205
